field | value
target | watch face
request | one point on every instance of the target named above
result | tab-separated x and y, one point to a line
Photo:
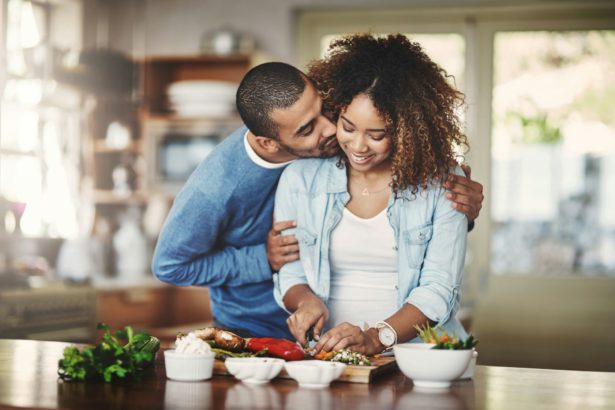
386	336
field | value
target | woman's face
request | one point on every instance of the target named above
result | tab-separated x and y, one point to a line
362	136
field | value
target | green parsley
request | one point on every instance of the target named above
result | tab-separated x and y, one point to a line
122	356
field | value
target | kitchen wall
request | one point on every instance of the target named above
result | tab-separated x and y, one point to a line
143	27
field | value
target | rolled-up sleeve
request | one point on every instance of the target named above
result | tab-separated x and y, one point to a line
437	294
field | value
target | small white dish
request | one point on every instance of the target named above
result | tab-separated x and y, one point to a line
431	368
314	374
188	367
254	370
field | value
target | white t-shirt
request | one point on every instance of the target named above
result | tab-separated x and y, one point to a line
363	270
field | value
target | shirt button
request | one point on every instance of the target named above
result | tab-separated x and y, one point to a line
396	287
395	247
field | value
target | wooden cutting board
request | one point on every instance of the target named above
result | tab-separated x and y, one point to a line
351	374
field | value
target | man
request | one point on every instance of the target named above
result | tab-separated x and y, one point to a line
216	234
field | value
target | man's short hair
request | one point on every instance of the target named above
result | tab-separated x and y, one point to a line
264	88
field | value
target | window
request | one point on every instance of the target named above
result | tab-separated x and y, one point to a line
553	153
40	121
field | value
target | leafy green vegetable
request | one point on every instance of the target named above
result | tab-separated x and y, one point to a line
444	341
110	360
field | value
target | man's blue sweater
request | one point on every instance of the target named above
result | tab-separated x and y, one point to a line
215	236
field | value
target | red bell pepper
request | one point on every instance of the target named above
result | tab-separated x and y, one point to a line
282	348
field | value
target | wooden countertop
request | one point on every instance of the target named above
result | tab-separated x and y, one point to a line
28	379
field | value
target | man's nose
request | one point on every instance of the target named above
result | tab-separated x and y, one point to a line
329	128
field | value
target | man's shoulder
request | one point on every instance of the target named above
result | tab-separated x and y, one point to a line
230	145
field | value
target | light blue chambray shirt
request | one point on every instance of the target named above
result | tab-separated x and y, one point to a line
430	238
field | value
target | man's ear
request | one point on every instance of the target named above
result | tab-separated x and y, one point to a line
268	144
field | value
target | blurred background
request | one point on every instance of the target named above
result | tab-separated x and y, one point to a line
108	105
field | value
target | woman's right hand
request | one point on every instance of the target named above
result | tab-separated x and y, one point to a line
311	312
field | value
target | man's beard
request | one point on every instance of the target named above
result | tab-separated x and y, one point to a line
326	149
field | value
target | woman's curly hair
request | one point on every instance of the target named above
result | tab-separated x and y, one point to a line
410	92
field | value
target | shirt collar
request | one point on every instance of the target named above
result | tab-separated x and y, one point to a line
337	178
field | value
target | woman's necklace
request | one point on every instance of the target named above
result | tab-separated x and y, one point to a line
367	192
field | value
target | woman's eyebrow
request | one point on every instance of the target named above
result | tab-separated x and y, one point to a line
370	129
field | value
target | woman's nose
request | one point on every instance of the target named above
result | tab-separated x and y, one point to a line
357	144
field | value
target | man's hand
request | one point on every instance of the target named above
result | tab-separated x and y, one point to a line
467	195
311	312
281	249
346	335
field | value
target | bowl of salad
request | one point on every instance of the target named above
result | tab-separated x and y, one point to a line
438	361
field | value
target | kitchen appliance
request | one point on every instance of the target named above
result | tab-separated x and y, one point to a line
175	148
53	312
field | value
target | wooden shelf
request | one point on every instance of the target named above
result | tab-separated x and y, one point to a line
157	73
101	147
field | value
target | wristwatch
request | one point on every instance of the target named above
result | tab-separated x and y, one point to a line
386	334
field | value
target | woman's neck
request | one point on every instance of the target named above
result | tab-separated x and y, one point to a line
371	176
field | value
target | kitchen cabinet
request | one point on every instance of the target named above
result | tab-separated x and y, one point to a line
122	147
153	306
158	72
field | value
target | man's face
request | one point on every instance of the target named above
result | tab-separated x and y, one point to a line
302	129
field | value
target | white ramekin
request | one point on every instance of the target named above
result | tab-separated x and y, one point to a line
188	367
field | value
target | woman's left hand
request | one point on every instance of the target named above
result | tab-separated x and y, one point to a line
348	336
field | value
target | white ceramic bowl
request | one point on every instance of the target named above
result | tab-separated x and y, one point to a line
469	372
255	370
188	367
429	368
314	373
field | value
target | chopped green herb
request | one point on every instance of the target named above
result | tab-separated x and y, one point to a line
349	357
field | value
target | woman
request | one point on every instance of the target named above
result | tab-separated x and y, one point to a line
382	249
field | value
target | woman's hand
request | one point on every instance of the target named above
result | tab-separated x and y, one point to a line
311	312
348	336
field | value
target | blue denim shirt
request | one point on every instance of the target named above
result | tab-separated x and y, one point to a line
430	239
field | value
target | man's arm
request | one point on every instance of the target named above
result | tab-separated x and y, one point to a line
188	250
467	195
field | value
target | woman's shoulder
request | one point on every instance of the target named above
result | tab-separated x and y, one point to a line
309	167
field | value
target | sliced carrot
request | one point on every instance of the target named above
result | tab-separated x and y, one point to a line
322	355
